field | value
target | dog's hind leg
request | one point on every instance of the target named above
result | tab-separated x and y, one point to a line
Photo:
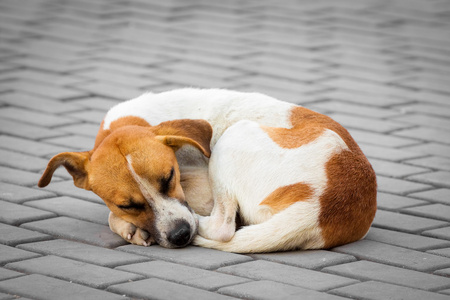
221	224
295	228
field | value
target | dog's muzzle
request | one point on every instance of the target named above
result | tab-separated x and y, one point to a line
181	235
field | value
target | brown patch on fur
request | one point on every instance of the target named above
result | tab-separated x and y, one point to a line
199	131
285	196
349	203
124	121
292	138
305	118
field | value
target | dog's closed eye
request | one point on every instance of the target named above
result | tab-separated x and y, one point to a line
132	205
165	182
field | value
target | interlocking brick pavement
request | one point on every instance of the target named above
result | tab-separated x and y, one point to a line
381	68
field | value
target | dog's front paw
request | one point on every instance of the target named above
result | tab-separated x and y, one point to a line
137	236
129	232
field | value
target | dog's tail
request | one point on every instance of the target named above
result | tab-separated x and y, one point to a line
302	232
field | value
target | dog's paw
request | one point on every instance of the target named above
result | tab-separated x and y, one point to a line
139	237
212	229
129	232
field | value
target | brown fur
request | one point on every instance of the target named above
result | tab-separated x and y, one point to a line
285	196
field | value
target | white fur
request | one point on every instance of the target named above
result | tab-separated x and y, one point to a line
221	108
296	227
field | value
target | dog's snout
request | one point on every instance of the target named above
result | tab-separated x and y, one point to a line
181	235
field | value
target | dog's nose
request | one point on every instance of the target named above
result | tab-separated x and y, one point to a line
180	235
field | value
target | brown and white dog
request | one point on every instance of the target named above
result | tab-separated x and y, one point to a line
188	161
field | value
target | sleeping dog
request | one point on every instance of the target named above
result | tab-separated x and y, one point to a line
184	165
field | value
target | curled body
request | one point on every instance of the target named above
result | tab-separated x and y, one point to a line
179	167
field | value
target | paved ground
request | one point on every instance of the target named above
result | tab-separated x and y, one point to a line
381	68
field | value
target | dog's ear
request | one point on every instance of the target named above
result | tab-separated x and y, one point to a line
177	133
76	163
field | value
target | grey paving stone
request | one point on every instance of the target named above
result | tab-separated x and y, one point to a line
88	130
18	177
426	108
110	90
430	148
399	186
381	139
429	121
403	222
8	274
190	256
77	230
30	147
361	86
71	270
431	97
93	119
440	178
373	290
440	233
388	153
12	235
365	98
366	270
83	252
132	81
361	110
426	134
16	214
24	130
45	77
369	124
74	208
98	103
199	278
11	254
20	194
393	255
437	195
201	81
260	81
405	240
160	289
38	103
392	169
394	202
31	286
67	188
34	118
443	252
113	67
311	259
443	272
435	211
196	68
380	76
268	290
309	279
46	90
72	142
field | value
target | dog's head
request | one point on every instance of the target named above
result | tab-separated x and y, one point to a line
135	171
